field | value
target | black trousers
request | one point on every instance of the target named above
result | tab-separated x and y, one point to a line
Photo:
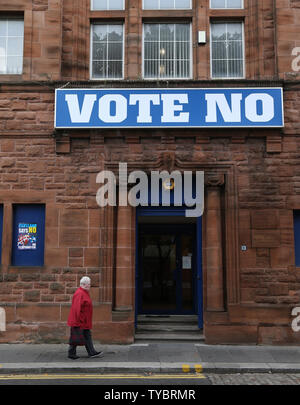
88	344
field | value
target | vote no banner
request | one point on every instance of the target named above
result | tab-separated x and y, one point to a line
169	108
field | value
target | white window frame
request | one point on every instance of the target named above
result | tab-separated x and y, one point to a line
174	8
191	54
243	44
91	52
227	8
14	18
106	9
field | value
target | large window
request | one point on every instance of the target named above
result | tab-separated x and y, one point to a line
107	51
167	51
11	46
107	4
166	4
226	4
227	50
297	236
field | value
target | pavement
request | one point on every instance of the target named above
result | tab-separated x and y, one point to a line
158	357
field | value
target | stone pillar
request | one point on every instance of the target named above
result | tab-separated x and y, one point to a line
214	259
124	260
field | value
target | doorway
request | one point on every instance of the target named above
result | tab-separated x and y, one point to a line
168	263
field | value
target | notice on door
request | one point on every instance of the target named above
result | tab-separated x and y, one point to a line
186	262
27	236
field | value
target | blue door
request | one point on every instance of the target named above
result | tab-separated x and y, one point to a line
169	264
28	235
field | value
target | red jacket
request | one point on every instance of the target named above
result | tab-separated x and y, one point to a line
81	311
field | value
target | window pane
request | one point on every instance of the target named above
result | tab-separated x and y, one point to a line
167	32
169	52
107	5
15	46
99	70
182	4
2	65
217	3
218	32
227	50
115	51
100	51
114	70
151	68
3	27
15	28
11	46
100	32
166	4
99	4
107	51
115	33
151	32
218	50
235	50
234	3
182	32
235	68
234	31
151	4
2	47
115	5
151	50
14	65
226	3
219	68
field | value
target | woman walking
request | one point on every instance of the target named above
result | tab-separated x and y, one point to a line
80	321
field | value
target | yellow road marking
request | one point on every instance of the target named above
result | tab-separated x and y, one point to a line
98	376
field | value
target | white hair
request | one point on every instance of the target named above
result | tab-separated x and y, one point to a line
84	281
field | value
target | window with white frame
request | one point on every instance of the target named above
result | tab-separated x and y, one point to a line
107	4
226	4
11	46
167	51
227	50
166	4
107	51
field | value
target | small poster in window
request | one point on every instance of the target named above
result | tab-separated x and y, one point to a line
27	236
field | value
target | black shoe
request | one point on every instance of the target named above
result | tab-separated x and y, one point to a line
73	356
96	354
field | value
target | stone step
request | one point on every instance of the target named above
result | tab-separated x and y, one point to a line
168	336
166	327
184	319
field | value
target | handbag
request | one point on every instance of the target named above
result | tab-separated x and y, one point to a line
77	337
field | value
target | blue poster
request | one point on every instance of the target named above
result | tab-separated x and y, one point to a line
169	108
27	236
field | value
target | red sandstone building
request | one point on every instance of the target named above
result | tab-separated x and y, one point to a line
233	270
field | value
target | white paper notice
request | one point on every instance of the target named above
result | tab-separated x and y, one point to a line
186	262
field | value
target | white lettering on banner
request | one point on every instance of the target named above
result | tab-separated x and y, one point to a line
105	108
267	107
144	101
229	115
84	115
169	108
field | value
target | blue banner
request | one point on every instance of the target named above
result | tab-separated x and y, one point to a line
169	108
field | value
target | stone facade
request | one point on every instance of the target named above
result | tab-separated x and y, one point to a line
252	179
